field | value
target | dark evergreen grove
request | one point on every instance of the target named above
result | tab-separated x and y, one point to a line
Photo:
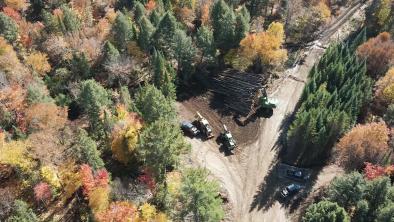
330	104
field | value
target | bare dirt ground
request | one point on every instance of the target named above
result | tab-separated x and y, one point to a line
248	177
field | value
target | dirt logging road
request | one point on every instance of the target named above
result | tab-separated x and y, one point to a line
244	175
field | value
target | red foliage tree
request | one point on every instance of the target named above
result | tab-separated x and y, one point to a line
42	192
372	171
91	181
87	178
147	178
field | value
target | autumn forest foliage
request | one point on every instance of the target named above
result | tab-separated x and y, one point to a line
88	90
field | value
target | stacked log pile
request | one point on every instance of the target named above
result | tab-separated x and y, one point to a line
240	89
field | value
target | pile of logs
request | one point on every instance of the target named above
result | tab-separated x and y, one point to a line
241	90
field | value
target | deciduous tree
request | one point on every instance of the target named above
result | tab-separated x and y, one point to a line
364	143
379	54
39	62
125	135
42	192
118	212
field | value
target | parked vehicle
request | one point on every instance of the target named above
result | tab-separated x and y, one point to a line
189	129
291	190
298	174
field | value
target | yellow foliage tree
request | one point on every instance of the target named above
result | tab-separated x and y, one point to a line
173	180
8	57
70	179
39	62
99	199
383	88
50	175
388	93
16	4
148	212
323	10
14	153
125	135
383	12
265	45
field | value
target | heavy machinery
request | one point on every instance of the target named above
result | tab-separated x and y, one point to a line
203	125
267	103
228	139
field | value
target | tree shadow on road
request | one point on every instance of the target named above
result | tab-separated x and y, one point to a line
269	191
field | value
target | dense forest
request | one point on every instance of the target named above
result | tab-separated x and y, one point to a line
88	122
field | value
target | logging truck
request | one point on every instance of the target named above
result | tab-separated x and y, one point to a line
228	140
203	125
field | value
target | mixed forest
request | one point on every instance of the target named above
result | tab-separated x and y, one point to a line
88	125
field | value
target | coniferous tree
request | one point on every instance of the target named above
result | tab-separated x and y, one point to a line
93	99
85	151
164	75
139	11
111	53
122	31
164	34
152	104
206	43
184	53
223	24
70	20
155	17
325	211
146	32
80	66
199	197
160	145
8	28
242	25
331	103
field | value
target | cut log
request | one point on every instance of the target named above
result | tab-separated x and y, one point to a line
240	90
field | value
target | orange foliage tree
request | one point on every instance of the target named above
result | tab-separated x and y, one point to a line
12	99
265	45
379	53
16	4
42	116
12	13
117	212
95	187
150	5
364	143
